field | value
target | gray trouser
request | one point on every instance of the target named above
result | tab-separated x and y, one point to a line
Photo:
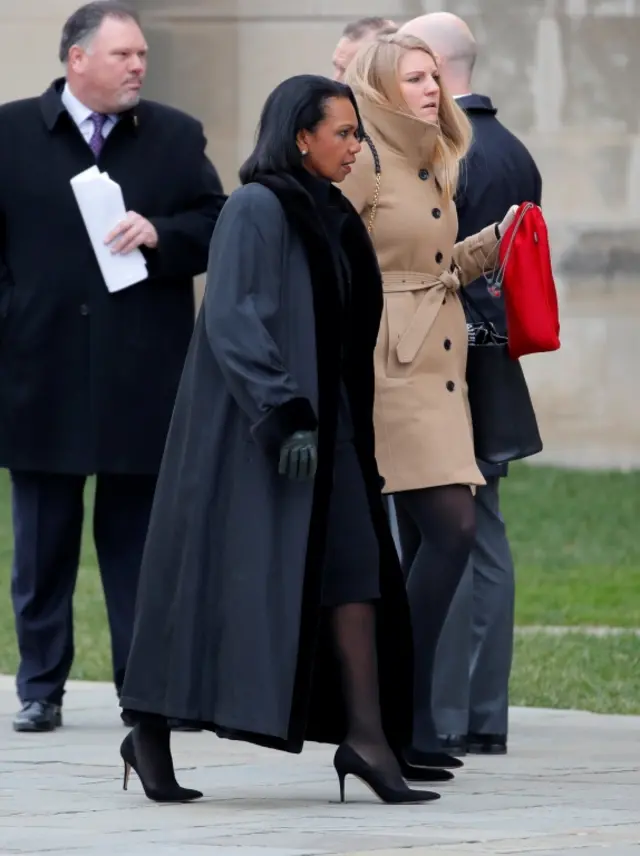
473	660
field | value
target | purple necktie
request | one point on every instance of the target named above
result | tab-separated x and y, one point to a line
96	141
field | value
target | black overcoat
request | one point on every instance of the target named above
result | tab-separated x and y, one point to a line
497	173
229	630
88	378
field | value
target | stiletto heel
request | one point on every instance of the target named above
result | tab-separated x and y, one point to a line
347	761
341	783
155	771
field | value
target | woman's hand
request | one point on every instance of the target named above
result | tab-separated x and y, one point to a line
509	217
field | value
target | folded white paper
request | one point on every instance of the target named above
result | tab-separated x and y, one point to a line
102	207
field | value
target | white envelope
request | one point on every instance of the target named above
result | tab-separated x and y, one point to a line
102	207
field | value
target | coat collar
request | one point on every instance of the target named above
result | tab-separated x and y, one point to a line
405	134
324	193
53	108
476	104
301	195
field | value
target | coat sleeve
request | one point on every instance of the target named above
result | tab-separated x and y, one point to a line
243	292
477	254
184	237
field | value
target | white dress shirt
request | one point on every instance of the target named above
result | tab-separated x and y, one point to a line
80	115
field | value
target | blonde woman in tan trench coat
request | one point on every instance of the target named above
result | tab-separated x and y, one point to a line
403	185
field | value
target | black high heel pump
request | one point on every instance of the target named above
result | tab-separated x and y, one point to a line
165	787
348	762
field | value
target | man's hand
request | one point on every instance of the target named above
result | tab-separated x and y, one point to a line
299	456
132	232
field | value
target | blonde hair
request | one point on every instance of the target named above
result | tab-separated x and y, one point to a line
373	75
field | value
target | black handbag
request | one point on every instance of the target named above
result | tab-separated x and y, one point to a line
505	427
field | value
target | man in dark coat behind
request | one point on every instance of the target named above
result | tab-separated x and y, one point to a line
471	680
88	377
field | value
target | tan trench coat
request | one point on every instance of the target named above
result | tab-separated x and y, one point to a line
422	420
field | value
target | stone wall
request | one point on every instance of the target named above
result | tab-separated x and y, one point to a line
563	75
29	38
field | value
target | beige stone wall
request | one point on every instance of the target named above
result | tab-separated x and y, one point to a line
563	73
29	37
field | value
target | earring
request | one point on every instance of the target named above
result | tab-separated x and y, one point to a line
303	153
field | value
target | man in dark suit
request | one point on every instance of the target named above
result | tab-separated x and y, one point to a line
471	680
88	377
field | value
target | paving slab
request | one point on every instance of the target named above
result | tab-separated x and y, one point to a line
569	785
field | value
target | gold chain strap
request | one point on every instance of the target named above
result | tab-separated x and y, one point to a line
374	205
376	194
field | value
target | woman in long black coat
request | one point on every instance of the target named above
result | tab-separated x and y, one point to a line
271	605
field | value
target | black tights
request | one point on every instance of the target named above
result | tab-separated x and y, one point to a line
437	531
353	628
354	633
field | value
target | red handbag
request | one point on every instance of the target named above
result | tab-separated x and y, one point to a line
531	302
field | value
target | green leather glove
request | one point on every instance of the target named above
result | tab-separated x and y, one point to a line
299	456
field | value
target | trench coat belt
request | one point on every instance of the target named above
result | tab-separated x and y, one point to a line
435	290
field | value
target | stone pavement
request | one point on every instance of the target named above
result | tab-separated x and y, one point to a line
571	784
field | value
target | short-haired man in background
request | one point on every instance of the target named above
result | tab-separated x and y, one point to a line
353	35
88	378
473	665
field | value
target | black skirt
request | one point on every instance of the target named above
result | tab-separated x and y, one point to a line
352	559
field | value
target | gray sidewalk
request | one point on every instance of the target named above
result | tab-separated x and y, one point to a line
571	783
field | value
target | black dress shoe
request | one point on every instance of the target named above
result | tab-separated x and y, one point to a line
487	744
453	744
417	758
38	716
423	774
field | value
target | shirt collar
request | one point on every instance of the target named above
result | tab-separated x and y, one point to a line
78	111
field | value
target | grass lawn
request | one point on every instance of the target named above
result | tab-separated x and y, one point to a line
576	543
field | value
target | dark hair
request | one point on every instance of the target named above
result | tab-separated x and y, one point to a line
357	30
297	104
86	21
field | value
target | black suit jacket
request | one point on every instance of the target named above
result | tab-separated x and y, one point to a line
88	378
497	173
